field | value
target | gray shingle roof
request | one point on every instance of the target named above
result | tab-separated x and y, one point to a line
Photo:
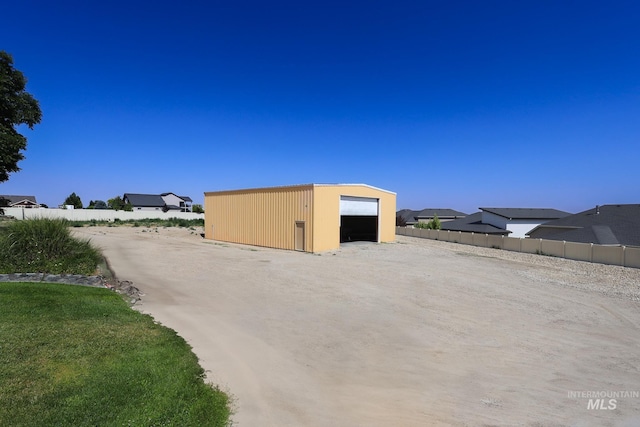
442	213
144	200
473	223
408	215
527	213
16	199
604	225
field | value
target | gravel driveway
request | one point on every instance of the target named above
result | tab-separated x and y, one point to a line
411	333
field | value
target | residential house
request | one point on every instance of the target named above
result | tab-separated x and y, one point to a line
514	222
158	202
473	224
412	217
18	201
602	225
181	203
444	215
408	216
519	221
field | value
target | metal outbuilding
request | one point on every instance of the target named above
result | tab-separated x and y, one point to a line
309	218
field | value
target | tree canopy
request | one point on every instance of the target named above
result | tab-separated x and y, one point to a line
118	204
17	107
97	204
74	200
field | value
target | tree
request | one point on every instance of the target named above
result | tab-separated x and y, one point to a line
97	204
100	204
196	208
17	107
434	224
117	204
73	199
4	203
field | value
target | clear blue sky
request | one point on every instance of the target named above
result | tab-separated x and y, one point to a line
459	105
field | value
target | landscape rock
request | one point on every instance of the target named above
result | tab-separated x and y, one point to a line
124	287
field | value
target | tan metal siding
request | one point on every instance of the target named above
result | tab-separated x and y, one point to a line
261	217
267	216
327	213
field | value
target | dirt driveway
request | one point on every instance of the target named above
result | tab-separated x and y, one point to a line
412	333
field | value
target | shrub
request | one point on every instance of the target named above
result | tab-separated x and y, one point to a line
434	224
45	246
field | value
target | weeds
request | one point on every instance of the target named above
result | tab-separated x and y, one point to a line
146	222
45	246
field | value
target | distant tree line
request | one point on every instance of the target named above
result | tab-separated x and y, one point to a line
116	203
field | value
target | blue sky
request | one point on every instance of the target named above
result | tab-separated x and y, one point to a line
450	104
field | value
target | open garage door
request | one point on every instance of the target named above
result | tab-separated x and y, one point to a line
358	219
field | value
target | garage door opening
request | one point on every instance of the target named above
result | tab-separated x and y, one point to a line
358	219
358	229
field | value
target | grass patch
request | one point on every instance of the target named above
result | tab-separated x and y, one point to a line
80	356
148	222
45	246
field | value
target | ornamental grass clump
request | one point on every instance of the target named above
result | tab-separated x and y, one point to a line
45	246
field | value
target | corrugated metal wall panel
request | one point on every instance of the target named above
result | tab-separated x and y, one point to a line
327	213
267	216
261	217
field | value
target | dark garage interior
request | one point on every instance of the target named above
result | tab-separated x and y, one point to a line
358	228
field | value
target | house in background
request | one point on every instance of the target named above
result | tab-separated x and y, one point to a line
512	222
18	201
473	224
158	202
181	203
407	217
411	217
602	225
519	221
444	215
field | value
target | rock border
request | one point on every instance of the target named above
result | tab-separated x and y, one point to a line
107	280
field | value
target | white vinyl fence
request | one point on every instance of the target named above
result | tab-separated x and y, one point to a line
626	256
97	214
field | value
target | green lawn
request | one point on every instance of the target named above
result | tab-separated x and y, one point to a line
78	356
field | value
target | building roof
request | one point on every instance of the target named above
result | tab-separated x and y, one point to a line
184	198
292	187
603	225
527	213
408	215
473	224
17	199
146	200
441	213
